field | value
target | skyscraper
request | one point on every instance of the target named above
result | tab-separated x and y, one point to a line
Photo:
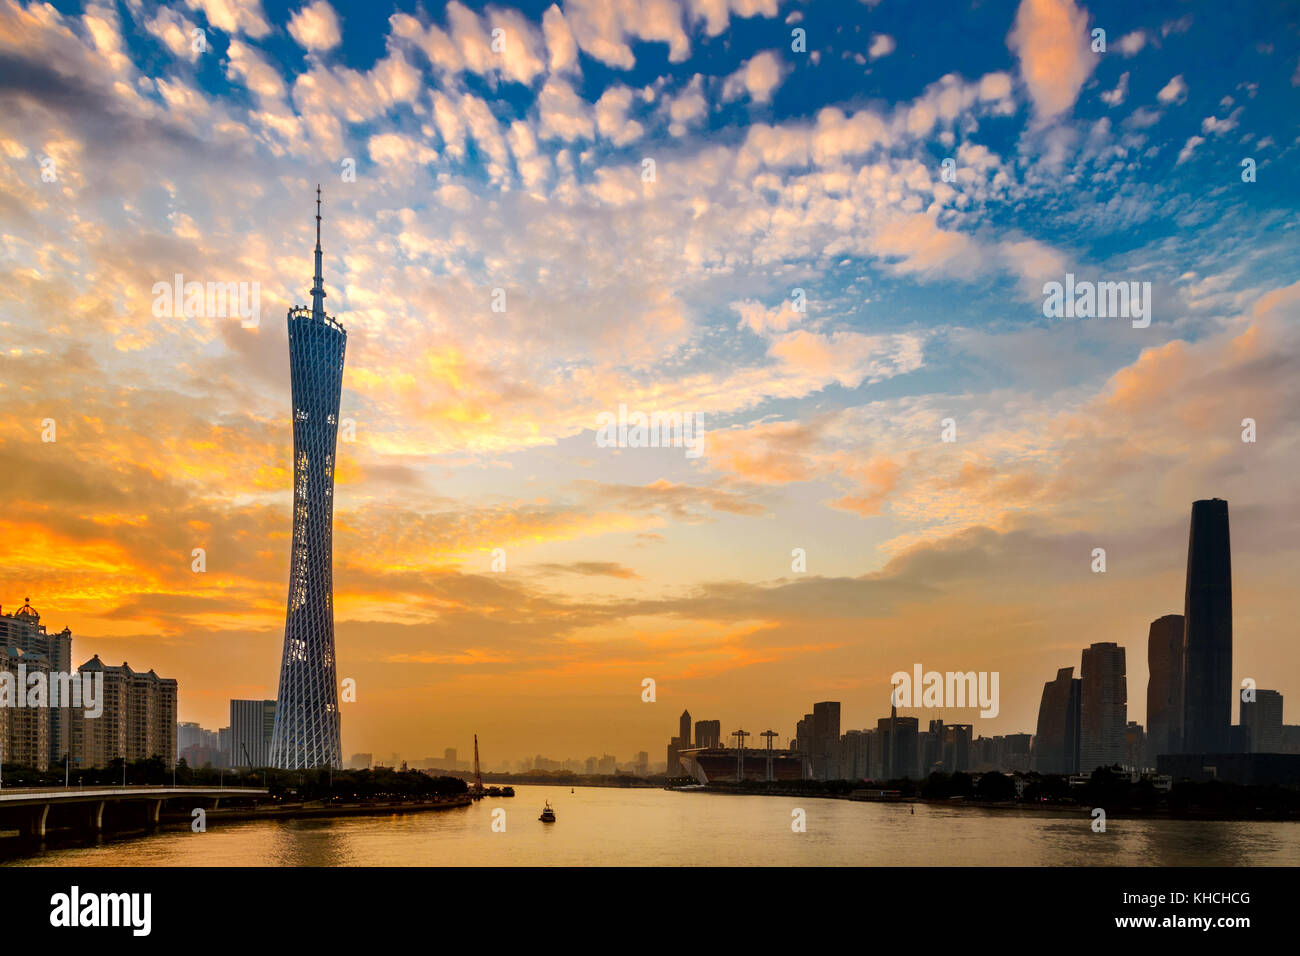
1207	644
1103	707
1165	687
307	712
1056	741
252	728
684	724
826	740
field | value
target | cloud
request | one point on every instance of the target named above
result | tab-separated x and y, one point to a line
234	16
757	77
603	27
882	44
1050	37
612	120
1116	96
1188	149
316	27
1131	44
562	114
1175	91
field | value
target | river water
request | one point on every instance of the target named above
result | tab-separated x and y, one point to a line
646	827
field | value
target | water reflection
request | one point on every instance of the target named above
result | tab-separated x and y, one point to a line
659	828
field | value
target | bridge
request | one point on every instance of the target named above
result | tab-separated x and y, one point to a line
28	809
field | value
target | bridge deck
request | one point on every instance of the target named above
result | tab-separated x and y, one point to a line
26	796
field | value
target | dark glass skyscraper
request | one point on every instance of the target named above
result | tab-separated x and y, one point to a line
1056	743
1165	687
1207	642
307	711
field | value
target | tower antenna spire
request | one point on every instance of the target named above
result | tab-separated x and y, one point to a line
318	283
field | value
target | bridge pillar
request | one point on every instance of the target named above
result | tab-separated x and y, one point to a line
216	802
152	809
36	821
97	816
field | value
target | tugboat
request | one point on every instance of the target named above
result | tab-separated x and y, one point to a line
507	791
548	815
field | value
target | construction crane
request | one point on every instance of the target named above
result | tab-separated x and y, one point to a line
769	734
478	777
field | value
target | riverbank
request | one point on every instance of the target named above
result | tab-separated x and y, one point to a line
320	809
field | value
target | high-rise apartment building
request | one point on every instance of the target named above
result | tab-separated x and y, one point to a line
138	720
22	630
826	740
1103	707
25	731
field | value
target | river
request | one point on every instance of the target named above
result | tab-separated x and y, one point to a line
647	827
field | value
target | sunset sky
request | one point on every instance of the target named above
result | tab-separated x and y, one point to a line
129	157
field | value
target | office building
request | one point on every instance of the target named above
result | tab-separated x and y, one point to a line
252	724
1164	687
1056	740
1207	644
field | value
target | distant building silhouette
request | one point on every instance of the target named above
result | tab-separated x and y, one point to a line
803	742
956	747
855	755
674	762
708	733
1207	645
826	740
1103	707
1135	747
899	739
1056	742
1164	687
684	722
1262	719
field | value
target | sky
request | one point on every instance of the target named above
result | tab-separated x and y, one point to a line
824	229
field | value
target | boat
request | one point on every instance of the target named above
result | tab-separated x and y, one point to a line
494	791
548	815
507	791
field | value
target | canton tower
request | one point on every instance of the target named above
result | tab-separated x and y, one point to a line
307	710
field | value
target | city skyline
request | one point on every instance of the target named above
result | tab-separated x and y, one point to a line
836	260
